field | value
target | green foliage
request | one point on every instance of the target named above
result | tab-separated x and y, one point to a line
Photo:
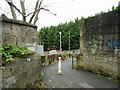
99	14
115	8
50	38
10	51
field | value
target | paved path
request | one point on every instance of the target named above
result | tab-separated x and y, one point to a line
72	78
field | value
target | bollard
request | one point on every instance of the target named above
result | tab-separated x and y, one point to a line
46	61
59	66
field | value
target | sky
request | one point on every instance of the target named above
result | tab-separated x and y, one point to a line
66	10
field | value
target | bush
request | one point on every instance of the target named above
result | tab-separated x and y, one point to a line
9	52
80	63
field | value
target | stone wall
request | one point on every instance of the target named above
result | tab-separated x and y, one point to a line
21	72
100	45
18	32
102	64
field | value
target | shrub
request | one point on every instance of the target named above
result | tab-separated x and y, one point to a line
9	52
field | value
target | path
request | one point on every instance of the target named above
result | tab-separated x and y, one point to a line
72	78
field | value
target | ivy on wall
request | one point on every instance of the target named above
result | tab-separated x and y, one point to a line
9	52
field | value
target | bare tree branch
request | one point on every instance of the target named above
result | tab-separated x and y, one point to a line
36	16
45	10
53	13
40	9
23	9
11	4
23	12
34	11
48	11
12	9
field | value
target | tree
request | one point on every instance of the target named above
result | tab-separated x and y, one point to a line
22	10
49	36
10	2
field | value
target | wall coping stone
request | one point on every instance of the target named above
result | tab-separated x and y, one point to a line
4	18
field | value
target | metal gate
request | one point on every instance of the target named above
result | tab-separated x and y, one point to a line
73	59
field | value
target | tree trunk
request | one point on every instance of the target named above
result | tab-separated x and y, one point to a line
37	13
12	9
23	9
34	12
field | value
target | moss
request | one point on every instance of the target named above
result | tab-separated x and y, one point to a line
100	73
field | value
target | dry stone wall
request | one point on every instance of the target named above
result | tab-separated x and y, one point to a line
100	44
18	32
22	71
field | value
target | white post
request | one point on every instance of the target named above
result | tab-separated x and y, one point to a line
59	66
60	42
46	61
69	44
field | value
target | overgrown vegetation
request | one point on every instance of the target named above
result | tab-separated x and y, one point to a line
38	84
9	52
113	9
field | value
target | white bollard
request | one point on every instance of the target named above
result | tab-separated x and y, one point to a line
59	66
46	61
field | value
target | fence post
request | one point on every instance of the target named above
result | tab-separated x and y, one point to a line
72	59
